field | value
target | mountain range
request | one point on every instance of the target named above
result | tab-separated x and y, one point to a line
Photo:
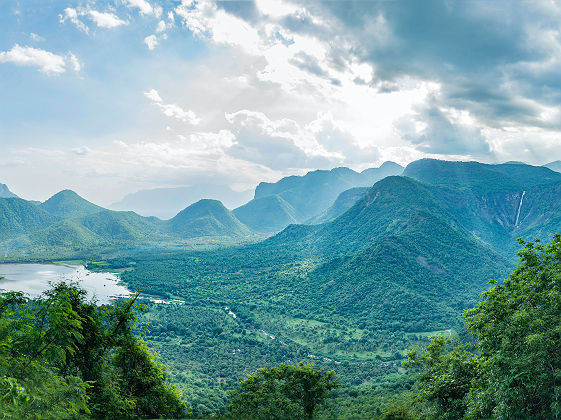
328	213
73	224
165	203
296	199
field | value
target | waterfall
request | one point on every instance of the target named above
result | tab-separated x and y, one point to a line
519	208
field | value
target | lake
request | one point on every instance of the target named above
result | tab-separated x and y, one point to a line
34	279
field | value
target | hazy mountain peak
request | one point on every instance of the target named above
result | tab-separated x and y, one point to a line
207	217
167	202
554	166
5	192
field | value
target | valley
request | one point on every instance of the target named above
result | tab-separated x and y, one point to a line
344	269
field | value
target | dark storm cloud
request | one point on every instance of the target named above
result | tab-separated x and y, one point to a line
441	135
245	10
475	49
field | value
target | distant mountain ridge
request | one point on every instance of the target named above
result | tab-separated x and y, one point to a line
300	198
167	202
492	204
5	192
554	166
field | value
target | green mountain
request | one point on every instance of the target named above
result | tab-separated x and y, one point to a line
304	197
69	234
19	217
344	202
480	178
270	213
386	169
67	203
5	192
385	209
207	218
116	226
497	203
419	277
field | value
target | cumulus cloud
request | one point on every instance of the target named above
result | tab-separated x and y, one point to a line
71	15
106	20
277	144
172	110
74	62
151	41
143	6
493	61
47	62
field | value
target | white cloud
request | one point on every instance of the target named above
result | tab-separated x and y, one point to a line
105	19
72	15
161	26
151	41
74	62
175	111
35	37
172	110
47	62
276	8
204	18
144	7
153	95
274	142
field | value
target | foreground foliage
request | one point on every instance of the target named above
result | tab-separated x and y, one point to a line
512	370
283	392
62	354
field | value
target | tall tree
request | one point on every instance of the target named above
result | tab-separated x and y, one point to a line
283	392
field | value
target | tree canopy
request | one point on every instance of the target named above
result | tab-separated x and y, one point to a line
282	392
63	354
512	368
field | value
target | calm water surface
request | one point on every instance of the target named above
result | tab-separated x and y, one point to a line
34	279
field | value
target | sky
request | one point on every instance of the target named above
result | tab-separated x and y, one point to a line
115	96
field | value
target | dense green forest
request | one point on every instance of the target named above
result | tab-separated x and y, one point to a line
62	353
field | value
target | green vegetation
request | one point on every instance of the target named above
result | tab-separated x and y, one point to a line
282	392
207	218
69	204
18	217
511	369
62	354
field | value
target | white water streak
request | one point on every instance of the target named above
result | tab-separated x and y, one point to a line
519	208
